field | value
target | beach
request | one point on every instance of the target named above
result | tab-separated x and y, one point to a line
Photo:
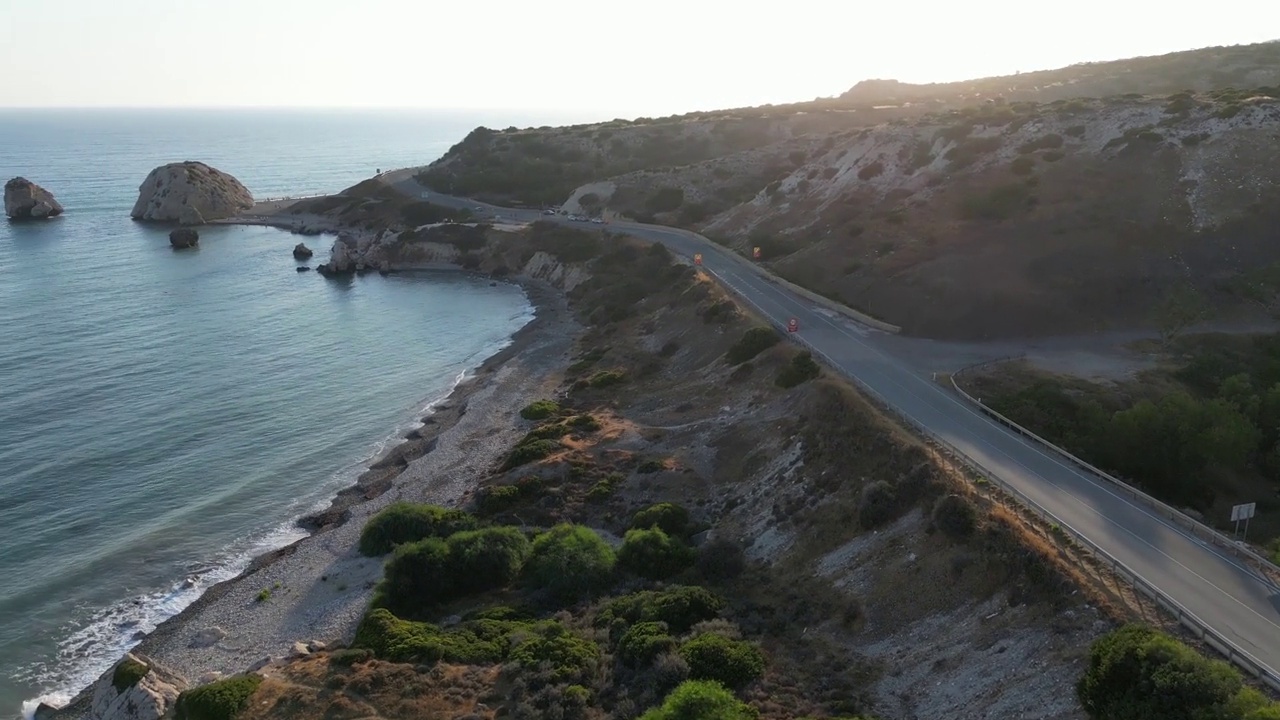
317	588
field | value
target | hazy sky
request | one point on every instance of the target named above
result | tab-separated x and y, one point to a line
616	58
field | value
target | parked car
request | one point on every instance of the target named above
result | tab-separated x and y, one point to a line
597	221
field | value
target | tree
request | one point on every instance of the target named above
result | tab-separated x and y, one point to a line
701	700
653	554
570	561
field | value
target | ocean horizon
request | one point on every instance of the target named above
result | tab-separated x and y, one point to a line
166	416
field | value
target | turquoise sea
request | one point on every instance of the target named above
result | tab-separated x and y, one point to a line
165	416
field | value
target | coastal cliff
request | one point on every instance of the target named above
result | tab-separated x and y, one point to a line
190	193
25	200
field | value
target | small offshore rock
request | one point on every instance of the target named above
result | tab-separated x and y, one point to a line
183	238
25	200
207	637
302	268
301	252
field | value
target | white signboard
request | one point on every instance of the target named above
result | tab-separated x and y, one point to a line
1243	512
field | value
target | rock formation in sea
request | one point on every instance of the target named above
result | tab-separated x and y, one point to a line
183	238
25	200
138	689
190	193
301	252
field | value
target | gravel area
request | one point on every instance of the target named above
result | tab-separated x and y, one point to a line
318	587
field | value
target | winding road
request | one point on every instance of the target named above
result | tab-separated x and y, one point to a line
1235	602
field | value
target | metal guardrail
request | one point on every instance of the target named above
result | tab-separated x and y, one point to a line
1185	617
1264	567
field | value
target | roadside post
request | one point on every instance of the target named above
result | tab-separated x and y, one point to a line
755	253
697	258
793	325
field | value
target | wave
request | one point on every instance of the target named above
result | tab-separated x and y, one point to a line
87	651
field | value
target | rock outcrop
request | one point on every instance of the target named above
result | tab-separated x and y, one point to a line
183	238
190	193
25	200
138	689
301	252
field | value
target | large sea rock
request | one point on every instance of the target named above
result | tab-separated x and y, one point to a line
151	697
190	193
25	200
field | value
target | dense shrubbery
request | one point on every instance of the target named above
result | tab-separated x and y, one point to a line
429	572
801	369
654	554
554	650
665	200
644	641
127	674
529	449
955	517
489	558
404	522
753	342
701	700
875	169
570	562
670	517
680	607
566	244
540	410
220	700
1136	673
391	638
422	212
733	663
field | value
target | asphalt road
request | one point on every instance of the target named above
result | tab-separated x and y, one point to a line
1214	587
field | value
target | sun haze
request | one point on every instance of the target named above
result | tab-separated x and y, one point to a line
653	58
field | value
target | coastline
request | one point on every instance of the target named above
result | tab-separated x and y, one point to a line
319	586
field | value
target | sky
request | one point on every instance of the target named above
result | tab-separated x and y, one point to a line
617	59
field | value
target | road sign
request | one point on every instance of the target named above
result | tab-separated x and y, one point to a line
755	252
697	258
793	325
1243	512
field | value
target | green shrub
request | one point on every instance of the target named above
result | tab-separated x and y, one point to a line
570	562
564	655
644	641
529	450
584	422
419	575
672	518
127	674
540	410
1023	165
650	466
753	342
403	522
485	559
1137	673
347	657
732	663
955	517
396	640
605	487
801	369
220	700
607	378
878	505
497	498
653	554
701	700
680	607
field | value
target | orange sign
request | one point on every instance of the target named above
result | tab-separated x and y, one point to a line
697	258
793	325
755	252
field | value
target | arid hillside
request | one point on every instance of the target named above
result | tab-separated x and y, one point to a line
978	216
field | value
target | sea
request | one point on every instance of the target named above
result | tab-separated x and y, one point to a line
165	416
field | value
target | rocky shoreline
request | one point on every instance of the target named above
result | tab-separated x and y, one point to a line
316	589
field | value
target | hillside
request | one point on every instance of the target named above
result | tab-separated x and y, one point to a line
977	216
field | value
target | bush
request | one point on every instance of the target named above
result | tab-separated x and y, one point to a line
732	663
485	559
955	517
496	498
665	200
558	652
651	466
653	554
540	410
419	574
721	560
879	505
669	348
670	517
644	641
753	342
605	487
220	700
701	700
347	657
873	170
404	522
584	422
570	561
1136	673
127	674
396	640
607	378
1023	165
801	369
680	607
529	450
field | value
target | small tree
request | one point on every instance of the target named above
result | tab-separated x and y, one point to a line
701	700
418	574
404	522
672	518
733	663
484	559
653	554
570	562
